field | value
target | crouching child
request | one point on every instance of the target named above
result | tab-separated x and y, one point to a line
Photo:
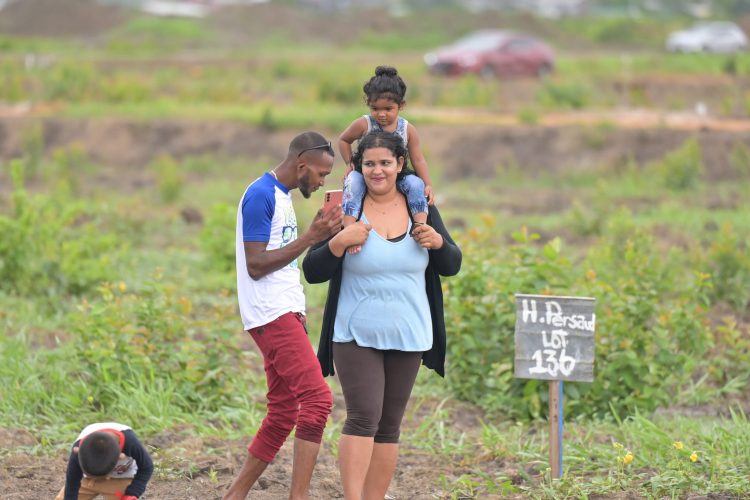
108	460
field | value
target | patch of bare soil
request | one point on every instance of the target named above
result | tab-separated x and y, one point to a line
189	467
59	18
464	150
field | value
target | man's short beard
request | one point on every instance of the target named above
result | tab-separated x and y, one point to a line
304	185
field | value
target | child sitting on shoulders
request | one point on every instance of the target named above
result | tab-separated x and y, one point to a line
385	94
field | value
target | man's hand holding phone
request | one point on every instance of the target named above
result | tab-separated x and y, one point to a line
333	198
329	219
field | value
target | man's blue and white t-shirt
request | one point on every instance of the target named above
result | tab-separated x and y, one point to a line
266	214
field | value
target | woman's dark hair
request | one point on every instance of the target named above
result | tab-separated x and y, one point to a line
386	84
382	139
98	453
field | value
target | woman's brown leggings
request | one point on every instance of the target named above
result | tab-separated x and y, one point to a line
377	385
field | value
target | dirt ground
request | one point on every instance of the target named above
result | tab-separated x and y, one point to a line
572	142
59	18
206	474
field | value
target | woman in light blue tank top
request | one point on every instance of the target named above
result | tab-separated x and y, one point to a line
382	302
384	313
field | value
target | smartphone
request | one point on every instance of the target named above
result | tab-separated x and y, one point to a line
332	198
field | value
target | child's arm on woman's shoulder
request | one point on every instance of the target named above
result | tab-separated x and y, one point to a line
417	159
357	129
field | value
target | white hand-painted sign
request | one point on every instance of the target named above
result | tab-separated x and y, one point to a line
555	337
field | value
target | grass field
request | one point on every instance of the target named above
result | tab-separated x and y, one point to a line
117	296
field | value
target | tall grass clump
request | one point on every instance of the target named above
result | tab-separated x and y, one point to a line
139	354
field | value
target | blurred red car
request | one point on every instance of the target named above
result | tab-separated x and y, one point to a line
491	53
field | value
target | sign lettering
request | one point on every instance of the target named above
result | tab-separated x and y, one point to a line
555	337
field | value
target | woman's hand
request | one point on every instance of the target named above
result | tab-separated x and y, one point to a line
426	236
351	235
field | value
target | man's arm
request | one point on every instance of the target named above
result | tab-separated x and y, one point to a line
261	262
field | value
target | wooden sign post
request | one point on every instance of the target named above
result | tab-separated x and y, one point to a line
554	340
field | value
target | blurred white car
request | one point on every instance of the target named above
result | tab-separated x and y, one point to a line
716	36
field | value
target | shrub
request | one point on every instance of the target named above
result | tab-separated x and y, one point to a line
52	245
126	337
729	266
480	317
67	165
651	321
339	88
563	95
651	333
127	88
681	169
32	141
70	82
267	120
218	235
598	136
282	69
739	159
469	90
169	178
12	82
527	116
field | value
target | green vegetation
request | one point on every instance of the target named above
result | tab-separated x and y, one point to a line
121	307
665	457
128	78
117	287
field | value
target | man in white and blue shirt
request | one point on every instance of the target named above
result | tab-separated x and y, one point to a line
272	308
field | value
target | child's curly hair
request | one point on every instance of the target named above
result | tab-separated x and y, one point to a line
386	84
